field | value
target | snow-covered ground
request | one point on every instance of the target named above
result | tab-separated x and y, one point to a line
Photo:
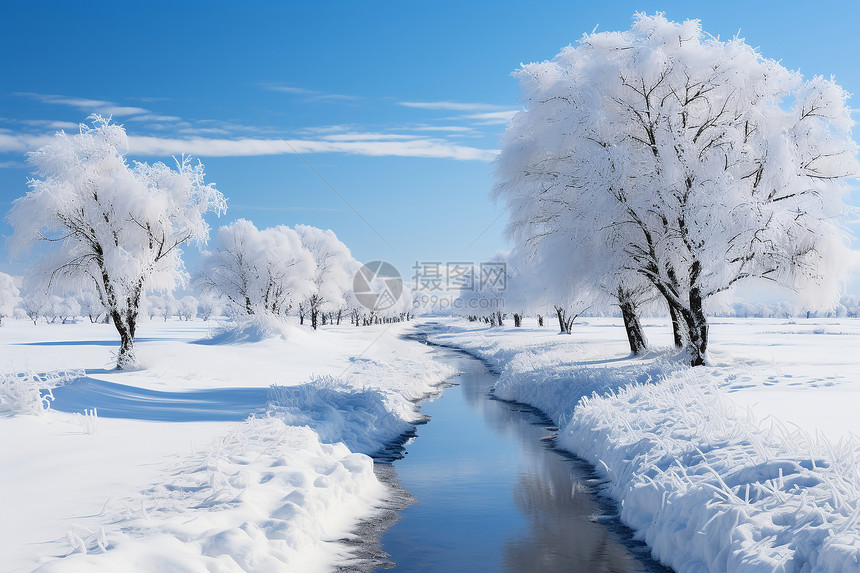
749	464
172	474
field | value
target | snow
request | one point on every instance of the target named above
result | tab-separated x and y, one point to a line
748	464
243	448
208	457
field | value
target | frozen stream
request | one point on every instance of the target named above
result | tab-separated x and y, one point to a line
493	494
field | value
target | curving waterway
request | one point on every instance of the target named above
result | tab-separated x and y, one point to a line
492	493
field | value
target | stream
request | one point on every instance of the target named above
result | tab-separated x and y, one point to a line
493	493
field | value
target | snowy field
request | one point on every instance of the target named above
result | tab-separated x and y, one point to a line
172	474
748	464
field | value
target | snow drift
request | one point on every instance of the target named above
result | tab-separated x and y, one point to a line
365	419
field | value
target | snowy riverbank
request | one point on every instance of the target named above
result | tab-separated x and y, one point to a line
182	482
745	465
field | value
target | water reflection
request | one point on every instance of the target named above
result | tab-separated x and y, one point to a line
493	495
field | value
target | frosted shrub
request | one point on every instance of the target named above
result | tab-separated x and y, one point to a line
23	393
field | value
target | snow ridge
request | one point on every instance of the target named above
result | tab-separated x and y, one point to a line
365	419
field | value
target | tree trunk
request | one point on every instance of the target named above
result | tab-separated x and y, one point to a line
630	314
518	320
540	320
315	315
565	325
678	328
635	334
127	357
697	329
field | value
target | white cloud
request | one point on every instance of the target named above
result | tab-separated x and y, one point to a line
492	117
210	147
21	143
352	136
451	105
312	95
88	105
51	124
154	117
205	142
287	89
448	128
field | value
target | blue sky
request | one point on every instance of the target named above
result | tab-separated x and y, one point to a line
398	106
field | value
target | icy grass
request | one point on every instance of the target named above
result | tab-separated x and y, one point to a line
709	488
30	393
267	497
705	484
367	408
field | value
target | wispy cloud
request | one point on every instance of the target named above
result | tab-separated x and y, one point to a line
287	89
451	105
21	143
49	124
375	145
310	95
353	136
446	128
492	117
210	147
154	117
235	206
89	105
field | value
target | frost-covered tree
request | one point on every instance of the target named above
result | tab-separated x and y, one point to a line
187	307
163	306
91	305
208	306
335	269
118	227
258	271
62	308
691	162
9	296
34	300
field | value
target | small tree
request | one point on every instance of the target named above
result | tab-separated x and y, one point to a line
34	301
208	305
91	305
9	296
187	307
257	271
117	227
335	269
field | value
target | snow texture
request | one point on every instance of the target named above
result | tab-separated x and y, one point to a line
267	497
